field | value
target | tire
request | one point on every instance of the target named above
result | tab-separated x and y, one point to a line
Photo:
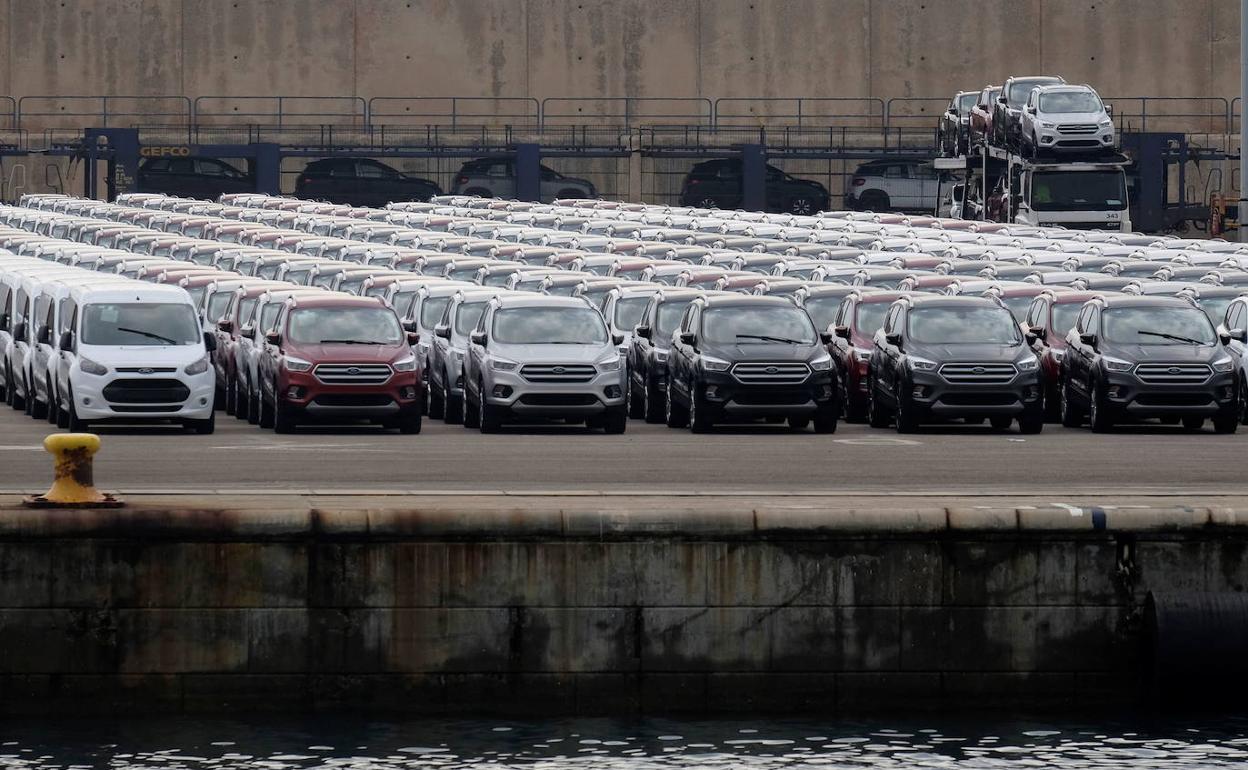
854	408
472	411
636	402
1000	422
219	398
1069	414
266	417
16	400
253	408
1052	406
37	409
654	404
907	420
204	427
570	193
1099	415
242	402
54	406
874	200
877	415
701	418
437	403
1242	403
706	203
283	420
797	423
825	418
676	416
490	417
409	421
72	422
1193	424
1031	421
231	396
615	421
453	412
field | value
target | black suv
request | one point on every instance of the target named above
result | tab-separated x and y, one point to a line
360	182
648	350
940	357
1131	357
739	357
717	184
192	177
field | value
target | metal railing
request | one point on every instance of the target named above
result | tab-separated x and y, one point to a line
627	111
453	111
282	110
41	112
800	111
914	111
1203	114
8	113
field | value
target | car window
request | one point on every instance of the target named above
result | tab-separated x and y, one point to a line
729	171
1094	321
376	171
342	170
1033	313
181	166
895	172
1082	324
157	166
1235	316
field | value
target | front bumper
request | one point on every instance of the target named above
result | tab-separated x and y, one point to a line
511	391
733	397
1130	395
1077	140
130	397
933	393
304	392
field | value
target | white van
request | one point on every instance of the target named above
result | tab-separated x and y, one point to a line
134	352
22	321
8	300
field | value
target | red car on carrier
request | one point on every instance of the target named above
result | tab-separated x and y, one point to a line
339	358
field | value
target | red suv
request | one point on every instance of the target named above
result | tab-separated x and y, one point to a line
860	316
1050	317
338	358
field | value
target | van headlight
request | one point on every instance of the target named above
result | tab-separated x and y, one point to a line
821	364
1029	364
90	367
609	365
198	367
1223	365
406	365
499	365
296	364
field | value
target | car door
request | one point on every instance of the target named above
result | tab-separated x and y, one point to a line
839	347
1236	315
888	355
680	356
1078	355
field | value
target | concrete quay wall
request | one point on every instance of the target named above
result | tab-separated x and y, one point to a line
531	607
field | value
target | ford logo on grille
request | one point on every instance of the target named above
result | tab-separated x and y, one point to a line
978	370
1174	370
558	370
353	370
146	370
771	370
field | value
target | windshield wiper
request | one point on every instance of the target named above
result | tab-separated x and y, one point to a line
150	335
350	342
1174	337
766	338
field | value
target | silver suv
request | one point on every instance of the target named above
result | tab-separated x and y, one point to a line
1066	119
546	357
444	375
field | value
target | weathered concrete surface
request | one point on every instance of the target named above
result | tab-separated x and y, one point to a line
588	604
652	48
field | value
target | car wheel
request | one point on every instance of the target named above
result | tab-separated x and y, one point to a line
797	423
231	397
700	418
242	401
825	418
409	421
874	200
437	403
572	193
472	410
654	403
877	415
1071	418
253	407
1031	421
479	192
265	419
490	417
1226	421
1000	422
1243	403
615	421
1099	415
54	406
707	203
636	401
453	412
906	419
676	415
1193	423
73	422
36	408
203	427
1052	407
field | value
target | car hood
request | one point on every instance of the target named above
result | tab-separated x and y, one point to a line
767	351
969	353
355	354
1072	117
563	354
155	356
1195	354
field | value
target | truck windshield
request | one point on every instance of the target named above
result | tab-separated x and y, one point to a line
746	324
1158	326
970	325
966	102
1070	101
135	323
1079	190
346	325
550	326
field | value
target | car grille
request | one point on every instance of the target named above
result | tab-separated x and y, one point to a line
558	399
147	408
771	374
978	399
145	391
978	374
1173	374
146	369
772	398
1077	128
1174	399
558	373
352	399
352	374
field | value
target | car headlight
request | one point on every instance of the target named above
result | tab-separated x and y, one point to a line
91	367
715	364
406	365
821	364
296	364
1047	125
921	364
609	365
1223	365
198	367
1107	124
1029	364
499	365
1117	364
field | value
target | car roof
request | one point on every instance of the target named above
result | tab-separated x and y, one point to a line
942	300
1136	300
728	298
528	299
336	299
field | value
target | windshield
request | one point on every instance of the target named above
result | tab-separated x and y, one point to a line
1215	308
463	273
1020	90
467	316
1018	306
362	325
1070	101
299	275
402	303
137	323
268	314
245	311
197	294
951	325
1079	191
758	324
1064	317
1158	326
966	102
217	304
822	310
352	285
549	326
669	317
871	317
431	311
628	311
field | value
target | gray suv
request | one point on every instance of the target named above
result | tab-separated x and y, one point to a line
496	178
545	357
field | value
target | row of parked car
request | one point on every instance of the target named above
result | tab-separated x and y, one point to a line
583	310
1034	115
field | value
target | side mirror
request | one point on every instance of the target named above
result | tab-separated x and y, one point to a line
1088	339
43	335
210	342
1039	332
893	339
642	332
688	338
841	331
1109	110
19	331
1002	100
413	338
1239	335
273	338
826	337
477	338
410	326
247	331
617	339
443	331
225	325
67	341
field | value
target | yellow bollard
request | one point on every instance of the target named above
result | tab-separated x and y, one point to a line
73	486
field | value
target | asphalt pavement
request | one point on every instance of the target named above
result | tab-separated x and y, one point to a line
960	461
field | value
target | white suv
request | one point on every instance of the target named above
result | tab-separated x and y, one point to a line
1066	119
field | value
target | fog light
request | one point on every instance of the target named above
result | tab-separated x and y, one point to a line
1046	140
1115	391
712	392
1228	393
920	391
86	402
407	392
203	401
502	391
294	391
613	391
1031	393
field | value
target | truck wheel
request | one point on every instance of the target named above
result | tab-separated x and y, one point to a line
437	403
472	413
676	415
700	418
1071	418
409	421
1099	415
655	406
825	418
615	421
203	427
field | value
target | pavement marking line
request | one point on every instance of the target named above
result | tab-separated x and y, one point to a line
877	442
20	448
1074	511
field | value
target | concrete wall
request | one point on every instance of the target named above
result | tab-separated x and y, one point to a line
585	48
564	608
